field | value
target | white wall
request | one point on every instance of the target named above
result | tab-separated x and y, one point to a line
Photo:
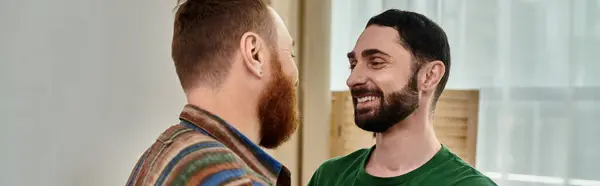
85	87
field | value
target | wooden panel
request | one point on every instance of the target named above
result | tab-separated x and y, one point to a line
345	137
455	124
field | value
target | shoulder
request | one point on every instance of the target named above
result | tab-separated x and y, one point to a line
211	164
348	159
212	167
338	165
197	159
475	180
468	175
459	173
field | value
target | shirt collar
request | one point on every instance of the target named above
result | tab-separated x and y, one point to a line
252	154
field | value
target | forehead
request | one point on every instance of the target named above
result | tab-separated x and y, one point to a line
283	36
382	38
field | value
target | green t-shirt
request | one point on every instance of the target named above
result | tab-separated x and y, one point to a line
444	169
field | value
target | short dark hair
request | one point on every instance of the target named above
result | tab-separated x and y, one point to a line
421	36
207	33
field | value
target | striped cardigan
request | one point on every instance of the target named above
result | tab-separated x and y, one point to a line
205	150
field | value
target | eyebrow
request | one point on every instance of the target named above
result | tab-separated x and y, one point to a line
367	52
372	51
351	55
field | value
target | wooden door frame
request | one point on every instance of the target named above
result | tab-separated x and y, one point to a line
309	23
315	94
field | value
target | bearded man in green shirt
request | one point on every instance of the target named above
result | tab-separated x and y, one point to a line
399	68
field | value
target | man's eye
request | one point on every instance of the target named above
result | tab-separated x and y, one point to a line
352	64
376	60
376	64
293	55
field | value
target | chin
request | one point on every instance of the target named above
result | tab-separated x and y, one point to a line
371	121
365	117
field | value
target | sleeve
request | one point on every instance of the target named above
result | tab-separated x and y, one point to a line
475	181
221	167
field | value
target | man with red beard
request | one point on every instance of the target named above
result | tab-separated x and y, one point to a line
400	65
235	63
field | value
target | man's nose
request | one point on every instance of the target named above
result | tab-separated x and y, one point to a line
357	77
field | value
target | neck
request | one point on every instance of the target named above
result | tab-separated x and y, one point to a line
405	147
226	103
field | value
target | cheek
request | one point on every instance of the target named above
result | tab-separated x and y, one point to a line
289	67
390	82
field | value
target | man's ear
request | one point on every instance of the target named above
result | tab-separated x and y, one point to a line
251	45
431	74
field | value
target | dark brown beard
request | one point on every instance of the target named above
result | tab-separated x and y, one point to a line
277	108
393	108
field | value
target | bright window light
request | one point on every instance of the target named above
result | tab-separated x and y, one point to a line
541	179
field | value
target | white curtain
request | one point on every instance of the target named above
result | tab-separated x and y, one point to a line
536	66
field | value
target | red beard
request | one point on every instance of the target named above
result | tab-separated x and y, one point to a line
277	108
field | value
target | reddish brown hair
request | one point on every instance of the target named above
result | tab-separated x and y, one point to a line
208	32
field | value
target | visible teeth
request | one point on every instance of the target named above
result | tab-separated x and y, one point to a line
365	99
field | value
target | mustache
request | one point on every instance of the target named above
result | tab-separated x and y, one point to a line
355	91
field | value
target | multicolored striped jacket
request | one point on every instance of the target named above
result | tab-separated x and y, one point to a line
205	150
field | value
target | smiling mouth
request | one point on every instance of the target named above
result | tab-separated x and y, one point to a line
366	102
366	99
